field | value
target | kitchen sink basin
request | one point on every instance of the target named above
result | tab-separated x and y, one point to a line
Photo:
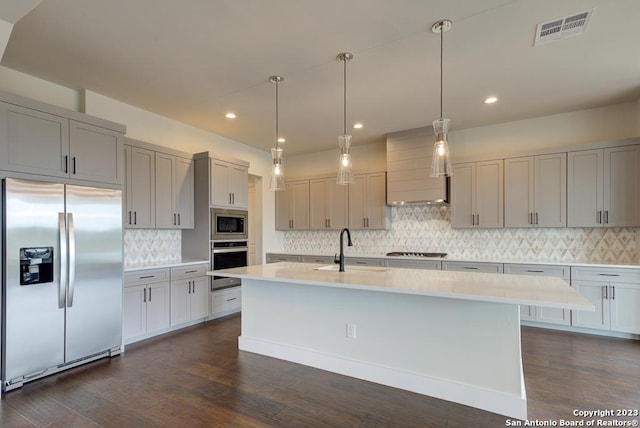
356	268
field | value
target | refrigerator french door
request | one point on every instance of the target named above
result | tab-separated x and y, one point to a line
62	285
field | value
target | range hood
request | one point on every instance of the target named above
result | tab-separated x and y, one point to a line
409	178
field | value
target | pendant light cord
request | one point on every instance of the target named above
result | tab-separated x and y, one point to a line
344	131
441	61
277	133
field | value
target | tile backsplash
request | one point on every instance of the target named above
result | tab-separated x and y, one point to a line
152	245
427	228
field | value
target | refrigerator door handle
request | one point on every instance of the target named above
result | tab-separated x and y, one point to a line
72	259
62	244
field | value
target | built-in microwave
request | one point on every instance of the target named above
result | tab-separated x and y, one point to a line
228	224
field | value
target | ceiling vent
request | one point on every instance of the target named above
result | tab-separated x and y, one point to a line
562	28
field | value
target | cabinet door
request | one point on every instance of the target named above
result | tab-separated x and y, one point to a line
357	203
220	193
134	312
596	293
283	212
199	298
463	195
140	188
550	190
239	186
338	204
585	186
376	201
299	204
527	313
33	141
157	306
165	165
183	185
489	194
519	192
318	200
622	186
96	153
624	300
180	302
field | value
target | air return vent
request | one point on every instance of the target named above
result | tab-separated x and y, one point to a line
562	28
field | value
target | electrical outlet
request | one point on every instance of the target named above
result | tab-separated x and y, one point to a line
351	330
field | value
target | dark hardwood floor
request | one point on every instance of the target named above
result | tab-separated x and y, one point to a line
198	378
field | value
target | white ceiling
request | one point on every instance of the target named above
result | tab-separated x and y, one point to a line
194	60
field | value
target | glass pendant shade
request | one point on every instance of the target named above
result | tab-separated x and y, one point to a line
441	161
345	174
277	172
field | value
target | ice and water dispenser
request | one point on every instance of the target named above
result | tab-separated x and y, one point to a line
36	265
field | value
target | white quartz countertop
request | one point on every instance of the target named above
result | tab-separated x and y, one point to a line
498	288
161	265
450	258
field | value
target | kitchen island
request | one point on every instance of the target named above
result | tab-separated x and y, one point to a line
450	335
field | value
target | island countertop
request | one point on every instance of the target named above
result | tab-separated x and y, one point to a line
488	287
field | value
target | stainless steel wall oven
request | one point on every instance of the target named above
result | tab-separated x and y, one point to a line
225	255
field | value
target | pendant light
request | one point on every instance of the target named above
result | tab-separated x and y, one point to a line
441	162
277	173
345	175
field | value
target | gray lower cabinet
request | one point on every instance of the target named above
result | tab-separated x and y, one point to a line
275	258
45	141
414	264
473	266
541	314
318	259
615	294
145	304
189	294
363	261
226	301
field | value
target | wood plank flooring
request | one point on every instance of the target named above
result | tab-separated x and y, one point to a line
198	378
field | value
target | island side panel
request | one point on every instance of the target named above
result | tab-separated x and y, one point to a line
458	350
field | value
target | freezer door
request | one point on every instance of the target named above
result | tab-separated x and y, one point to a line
33	313
94	297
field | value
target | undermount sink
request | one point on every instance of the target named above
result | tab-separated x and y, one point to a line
350	268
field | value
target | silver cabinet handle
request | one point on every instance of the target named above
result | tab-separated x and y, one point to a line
530	218
608	274
599	219
473	219
146	277
191	271
229	198
179	222
149	293
66	164
72	259
605	292
135	217
189	287
129	217
174	219
606	217
536	218
144	298
613	292
535	271
233	198
231	299
470	267
62	243
73	162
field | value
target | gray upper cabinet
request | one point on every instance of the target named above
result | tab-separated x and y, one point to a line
367	202
140	200
38	142
603	187
477	194
535	191
328	203
229	185
174	192
292	206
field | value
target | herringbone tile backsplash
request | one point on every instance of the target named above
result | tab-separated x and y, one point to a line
151	245
427	228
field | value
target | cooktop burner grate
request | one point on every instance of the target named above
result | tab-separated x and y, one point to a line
414	254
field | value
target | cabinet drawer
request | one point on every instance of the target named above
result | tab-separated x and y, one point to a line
147	276
606	274
274	258
415	264
473	267
317	259
540	270
363	261
184	272
227	300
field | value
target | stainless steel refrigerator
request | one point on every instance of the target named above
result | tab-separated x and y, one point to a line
61	277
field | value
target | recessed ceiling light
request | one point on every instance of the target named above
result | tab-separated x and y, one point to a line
490	100
281	140
358	125
230	115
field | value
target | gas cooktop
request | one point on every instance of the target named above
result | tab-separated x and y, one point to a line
413	254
